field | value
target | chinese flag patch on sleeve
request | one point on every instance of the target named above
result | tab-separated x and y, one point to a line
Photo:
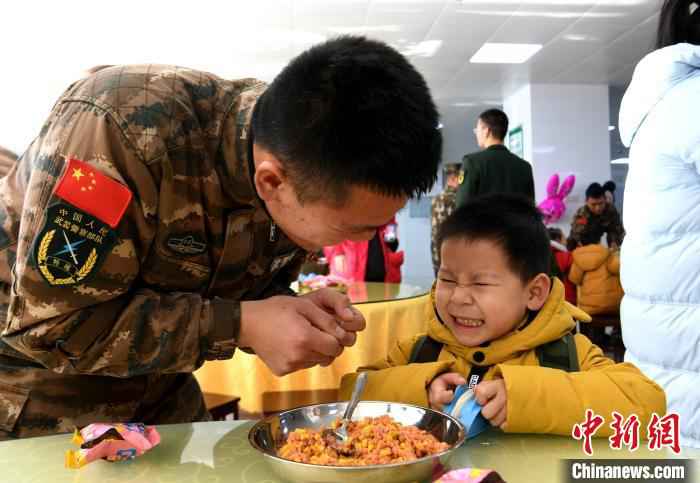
88	189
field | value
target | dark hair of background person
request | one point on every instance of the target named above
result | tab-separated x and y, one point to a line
679	21
497	122
595	190
351	111
510	221
555	233
611	187
591	237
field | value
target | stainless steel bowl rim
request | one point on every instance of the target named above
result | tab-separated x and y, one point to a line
460	440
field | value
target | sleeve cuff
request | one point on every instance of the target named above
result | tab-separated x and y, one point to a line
224	329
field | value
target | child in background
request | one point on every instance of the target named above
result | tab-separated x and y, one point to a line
493	307
563	259
596	269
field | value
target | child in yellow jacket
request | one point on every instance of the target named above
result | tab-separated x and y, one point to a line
596	270
492	306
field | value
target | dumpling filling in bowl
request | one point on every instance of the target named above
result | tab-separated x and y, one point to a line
372	441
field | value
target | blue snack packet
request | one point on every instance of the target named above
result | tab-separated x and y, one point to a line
465	408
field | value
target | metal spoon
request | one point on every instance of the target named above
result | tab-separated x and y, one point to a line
341	434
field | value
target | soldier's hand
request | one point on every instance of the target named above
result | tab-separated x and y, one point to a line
290	333
338	306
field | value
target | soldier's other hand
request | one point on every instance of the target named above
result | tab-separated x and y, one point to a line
290	333
338	306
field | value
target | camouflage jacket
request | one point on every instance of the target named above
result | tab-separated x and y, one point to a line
441	207
607	222
158	293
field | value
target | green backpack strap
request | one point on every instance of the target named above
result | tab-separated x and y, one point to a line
559	354
426	349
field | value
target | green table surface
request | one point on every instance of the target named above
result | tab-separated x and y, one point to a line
218	452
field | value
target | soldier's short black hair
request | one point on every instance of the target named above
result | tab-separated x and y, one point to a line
351	111
679	21
512	222
595	190
497	122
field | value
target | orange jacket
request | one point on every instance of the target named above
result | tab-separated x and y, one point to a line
596	270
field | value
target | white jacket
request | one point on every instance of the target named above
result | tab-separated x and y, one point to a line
660	259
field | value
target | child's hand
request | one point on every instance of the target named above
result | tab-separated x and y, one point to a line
441	390
492	396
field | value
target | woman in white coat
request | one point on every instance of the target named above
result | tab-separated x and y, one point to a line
660	121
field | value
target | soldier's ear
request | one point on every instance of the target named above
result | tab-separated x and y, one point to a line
269	178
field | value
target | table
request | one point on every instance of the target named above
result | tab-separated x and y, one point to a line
392	311
219	452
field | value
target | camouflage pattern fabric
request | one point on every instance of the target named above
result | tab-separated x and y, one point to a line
441	207
608	221
195	240
7	160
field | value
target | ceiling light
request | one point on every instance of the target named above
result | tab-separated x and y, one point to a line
427	48
620	161
501	53
611	128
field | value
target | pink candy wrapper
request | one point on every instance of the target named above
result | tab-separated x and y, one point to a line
112	442
470	475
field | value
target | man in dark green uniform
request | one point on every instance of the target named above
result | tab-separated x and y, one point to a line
494	169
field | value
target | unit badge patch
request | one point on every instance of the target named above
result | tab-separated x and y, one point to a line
71	245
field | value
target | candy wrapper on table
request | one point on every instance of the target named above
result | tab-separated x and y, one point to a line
112	442
470	475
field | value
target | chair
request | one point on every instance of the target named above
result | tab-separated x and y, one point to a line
221	405
595	330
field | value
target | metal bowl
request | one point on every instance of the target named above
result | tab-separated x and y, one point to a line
268	435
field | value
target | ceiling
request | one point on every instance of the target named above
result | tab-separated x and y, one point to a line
46	45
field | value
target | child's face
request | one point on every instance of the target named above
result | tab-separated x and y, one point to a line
478	295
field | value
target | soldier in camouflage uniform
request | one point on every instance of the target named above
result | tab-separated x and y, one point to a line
442	206
596	216
7	160
159	217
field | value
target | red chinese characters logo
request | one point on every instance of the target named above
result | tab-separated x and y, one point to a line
662	432
624	432
587	429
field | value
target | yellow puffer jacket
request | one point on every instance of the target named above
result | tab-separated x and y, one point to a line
597	271
540	399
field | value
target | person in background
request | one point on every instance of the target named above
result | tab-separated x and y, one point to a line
609	189
563	261
660	256
376	260
493	307
494	169
596	216
7	160
596	271
442	206
157	221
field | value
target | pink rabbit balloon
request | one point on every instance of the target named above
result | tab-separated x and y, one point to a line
553	207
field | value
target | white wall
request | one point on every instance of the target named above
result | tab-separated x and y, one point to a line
414	240
518	108
565	130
